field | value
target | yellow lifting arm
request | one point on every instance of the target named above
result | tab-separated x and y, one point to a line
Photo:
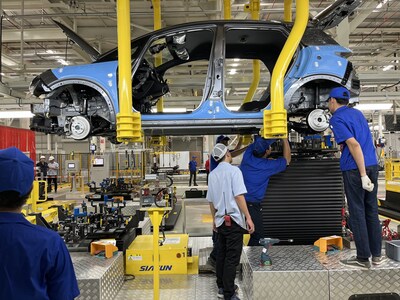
287	12
275	120
254	8
227	9
128	122
158	58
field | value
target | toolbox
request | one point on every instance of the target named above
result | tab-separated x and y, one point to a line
393	249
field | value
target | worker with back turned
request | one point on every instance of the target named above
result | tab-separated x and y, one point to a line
359	166
34	261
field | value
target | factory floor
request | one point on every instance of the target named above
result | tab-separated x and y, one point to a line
201	286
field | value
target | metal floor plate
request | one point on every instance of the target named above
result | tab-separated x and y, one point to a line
173	287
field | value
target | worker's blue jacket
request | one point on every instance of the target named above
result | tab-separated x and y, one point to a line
34	262
256	173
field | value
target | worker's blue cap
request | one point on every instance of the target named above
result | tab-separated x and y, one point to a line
339	93
222	138
194	156
17	171
261	145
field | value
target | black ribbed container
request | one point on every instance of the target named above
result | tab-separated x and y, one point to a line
304	203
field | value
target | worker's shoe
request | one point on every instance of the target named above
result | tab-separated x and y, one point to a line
356	263
377	260
221	292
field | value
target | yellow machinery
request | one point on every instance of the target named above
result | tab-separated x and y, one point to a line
174	256
390	207
34	206
392	175
148	255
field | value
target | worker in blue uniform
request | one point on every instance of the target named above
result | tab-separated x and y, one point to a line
257	168
193	170
34	261
359	166
223	139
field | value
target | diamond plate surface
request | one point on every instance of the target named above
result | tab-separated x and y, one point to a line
98	278
89	289
130	209
284	258
295	274
346	281
145	225
172	287
113	279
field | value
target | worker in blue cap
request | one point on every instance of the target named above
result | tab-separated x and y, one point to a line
193	170
257	168
359	167
34	261
224	139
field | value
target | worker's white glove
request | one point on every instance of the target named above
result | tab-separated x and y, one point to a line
366	183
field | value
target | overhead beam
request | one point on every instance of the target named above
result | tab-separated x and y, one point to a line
361	16
10	92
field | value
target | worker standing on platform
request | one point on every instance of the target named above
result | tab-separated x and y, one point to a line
34	261
231	218
52	173
223	139
359	166
257	168
193	170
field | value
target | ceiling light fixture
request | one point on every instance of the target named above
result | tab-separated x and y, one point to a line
373	106
387	68
63	62
15	114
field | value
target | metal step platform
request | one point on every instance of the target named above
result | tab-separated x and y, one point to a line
301	273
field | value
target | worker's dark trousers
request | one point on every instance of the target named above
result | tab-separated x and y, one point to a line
363	209
230	244
49	181
255	211
214	251
192	175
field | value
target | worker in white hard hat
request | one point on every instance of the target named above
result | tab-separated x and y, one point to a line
42	167
52	174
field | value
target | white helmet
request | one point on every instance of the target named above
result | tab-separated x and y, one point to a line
42	156
51	157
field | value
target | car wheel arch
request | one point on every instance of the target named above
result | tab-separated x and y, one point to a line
90	85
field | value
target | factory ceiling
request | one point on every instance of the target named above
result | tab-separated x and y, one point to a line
32	43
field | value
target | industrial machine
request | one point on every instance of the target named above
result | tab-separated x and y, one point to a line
72	167
156	192
110	188
175	255
99	169
107	221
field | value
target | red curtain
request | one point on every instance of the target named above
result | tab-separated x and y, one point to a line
23	139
